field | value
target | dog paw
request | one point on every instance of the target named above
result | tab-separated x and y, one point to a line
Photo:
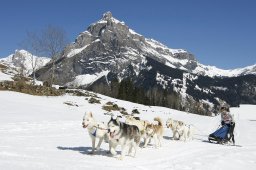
120	158
157	147
91	153
113	153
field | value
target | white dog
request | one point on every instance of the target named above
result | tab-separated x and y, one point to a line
95	129
180	130
172	124
185	132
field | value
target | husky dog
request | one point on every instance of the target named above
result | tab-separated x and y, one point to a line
155	132
132	121
95	130
141	124
172	124
180	130
123	134
185	132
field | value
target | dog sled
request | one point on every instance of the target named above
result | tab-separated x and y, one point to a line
223	135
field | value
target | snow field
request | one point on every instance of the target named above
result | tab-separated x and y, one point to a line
44	133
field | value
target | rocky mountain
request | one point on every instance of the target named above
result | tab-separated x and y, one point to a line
21	61
109	52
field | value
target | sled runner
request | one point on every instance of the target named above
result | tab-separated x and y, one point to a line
223	135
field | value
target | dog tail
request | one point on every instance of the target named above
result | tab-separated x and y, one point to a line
159	120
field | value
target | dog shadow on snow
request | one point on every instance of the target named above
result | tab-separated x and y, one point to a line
86	150
168	138
82	150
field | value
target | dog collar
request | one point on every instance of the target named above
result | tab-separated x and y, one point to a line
94	133
116	135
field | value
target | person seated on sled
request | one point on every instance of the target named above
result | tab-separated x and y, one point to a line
228	119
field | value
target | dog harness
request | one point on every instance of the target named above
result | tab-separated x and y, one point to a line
97	127
94	133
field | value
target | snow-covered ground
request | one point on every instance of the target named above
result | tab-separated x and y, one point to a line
44	133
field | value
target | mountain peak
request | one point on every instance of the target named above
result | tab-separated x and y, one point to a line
22	52
21	59
107	15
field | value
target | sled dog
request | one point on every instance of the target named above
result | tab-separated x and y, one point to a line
172	124
180	130
95	129
185	132
123	134
155	132
141	124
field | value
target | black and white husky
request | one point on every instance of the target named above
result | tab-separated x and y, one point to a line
95	129
123	134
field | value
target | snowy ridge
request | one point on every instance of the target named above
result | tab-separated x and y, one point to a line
22	58
214	71
155	44
74	52
201	69
44	133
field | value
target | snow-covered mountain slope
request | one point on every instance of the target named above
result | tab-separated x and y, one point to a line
22	59
44	133
110	45
136	46
5	77
214	71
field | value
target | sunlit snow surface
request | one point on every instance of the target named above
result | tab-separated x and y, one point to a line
44	133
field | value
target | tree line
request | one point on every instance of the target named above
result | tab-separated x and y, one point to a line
127	90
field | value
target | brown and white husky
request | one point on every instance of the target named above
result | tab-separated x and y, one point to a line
154	131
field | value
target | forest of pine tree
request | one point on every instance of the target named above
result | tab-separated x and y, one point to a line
126	90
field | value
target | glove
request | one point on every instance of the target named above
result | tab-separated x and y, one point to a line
222	123
232	123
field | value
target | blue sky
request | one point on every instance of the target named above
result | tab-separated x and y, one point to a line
218	32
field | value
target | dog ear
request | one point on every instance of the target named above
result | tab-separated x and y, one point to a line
117	120
90	114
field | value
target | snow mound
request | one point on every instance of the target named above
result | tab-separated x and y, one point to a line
5	77
87	79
